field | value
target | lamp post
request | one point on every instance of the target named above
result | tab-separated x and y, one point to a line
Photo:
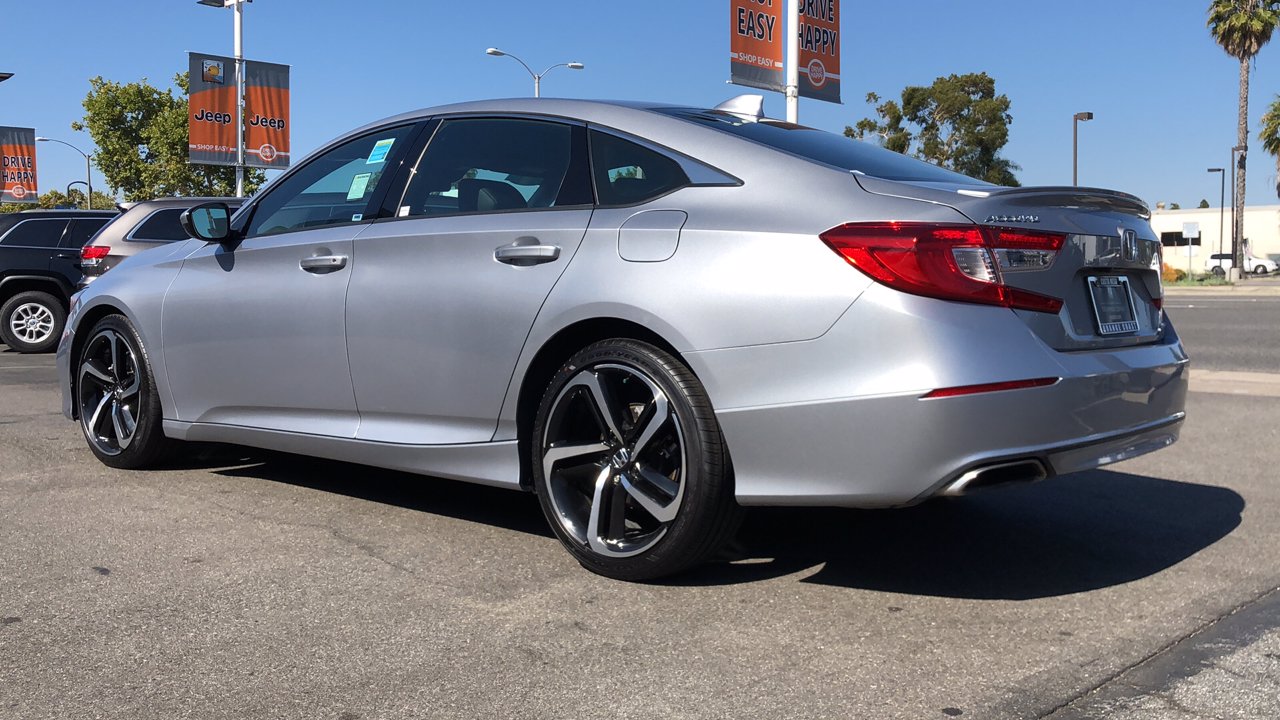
1075	144
5	76
88	202
1222	201
74	183
238	5
537	77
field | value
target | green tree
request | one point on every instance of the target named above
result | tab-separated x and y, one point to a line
1242	27
1175	206
1204	204
958	122
141	134
1270	135
56	198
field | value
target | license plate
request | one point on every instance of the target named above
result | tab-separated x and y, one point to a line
1113	304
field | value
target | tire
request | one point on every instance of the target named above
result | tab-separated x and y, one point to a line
1260	270
115	394
32	321
1217	270
629	463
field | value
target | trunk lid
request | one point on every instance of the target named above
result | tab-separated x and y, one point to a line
1107	273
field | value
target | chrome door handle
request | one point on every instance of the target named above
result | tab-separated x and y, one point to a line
526	254
323	263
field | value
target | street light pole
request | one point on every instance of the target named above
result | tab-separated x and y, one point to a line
88	174
5	76
792	59
537	77
1075	144
238	7
1222	201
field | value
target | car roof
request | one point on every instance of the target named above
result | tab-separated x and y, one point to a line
62	213
178	201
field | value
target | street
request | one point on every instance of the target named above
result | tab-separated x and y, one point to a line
243	584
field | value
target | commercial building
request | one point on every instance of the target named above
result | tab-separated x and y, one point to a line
1261	233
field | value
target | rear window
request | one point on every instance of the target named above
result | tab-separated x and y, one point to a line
824	147
161	226
35	233
82	229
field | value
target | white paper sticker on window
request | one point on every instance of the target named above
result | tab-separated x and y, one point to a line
359	184
404	211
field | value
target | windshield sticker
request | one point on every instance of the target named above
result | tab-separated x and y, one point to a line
357	217
359	184
404	211
380	150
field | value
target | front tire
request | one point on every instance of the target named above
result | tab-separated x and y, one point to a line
32	321
629	463
116	396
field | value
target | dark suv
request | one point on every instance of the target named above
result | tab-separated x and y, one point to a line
140	226
39	269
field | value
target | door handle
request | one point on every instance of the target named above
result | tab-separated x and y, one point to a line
526	254
323	263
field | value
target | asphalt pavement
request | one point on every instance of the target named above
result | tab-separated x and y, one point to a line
243	584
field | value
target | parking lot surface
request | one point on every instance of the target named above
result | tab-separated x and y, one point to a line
245	584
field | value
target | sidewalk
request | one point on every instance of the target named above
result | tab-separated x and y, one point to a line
1254	287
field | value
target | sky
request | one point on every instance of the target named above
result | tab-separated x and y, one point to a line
1163	93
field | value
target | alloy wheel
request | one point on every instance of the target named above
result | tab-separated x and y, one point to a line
109	385
32	323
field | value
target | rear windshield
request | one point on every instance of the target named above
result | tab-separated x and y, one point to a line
824	147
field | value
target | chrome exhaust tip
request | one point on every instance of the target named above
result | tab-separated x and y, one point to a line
1019	471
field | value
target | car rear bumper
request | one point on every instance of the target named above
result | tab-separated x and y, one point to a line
874	440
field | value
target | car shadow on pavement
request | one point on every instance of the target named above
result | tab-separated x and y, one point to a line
1065	535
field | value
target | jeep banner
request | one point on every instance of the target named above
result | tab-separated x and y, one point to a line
755	44
266	115
211	113
18	168
820	49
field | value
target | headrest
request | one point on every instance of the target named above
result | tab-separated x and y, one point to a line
487	195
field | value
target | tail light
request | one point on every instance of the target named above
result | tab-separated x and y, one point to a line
94	252
964	263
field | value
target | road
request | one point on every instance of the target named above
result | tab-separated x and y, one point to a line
251	585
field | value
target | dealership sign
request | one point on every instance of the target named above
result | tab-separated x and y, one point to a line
755	44
212	112
18	165
820	49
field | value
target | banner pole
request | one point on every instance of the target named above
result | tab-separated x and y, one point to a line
239	97
793	61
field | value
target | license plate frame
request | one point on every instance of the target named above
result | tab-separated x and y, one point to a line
1112	301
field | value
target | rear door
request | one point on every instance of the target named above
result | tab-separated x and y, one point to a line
29	248
447	288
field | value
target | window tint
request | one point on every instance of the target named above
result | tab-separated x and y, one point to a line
476	165
825	147
627	173
333	189
35	233
82	229
161	226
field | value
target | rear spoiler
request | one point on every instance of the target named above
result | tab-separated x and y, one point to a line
1066	196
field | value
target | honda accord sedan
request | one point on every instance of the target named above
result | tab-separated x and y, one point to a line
649	315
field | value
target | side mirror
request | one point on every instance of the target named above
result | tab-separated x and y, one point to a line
210	222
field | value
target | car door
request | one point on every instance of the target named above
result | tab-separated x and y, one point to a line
447	289
30	247
255	336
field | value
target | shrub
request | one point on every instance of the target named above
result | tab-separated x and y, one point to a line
1172	274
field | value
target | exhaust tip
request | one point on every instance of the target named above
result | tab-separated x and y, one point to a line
1020	471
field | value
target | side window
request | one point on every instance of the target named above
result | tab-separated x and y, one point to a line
161	226
82	229
478	165
35	233
332	189
627	173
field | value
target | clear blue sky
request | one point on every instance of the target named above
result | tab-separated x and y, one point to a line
1163	93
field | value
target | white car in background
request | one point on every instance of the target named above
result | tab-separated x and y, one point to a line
1220	263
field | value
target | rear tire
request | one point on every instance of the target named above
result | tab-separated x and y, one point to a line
32	322
629	463
1217	270
1260	270
116	396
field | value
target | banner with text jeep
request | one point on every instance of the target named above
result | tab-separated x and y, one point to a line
820	49
211	110
266	115
755	44
18	165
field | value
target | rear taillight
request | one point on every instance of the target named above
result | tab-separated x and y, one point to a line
94	252
951	262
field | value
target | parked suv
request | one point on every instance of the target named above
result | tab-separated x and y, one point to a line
140	226
39	253
1220	263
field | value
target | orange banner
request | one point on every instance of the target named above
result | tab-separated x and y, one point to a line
820	49
211	117
756	43
266	115
18	165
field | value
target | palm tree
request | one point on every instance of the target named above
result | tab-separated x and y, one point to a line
1270	135
1242	27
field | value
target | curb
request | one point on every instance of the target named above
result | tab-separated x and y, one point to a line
1267	290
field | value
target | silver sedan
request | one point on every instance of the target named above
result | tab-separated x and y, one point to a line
650	316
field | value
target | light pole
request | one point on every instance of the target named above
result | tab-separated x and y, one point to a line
88	202
1222	202
1075	144
77	182
238	5
537	77
5	76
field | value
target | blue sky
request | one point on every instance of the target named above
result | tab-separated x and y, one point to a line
1163	93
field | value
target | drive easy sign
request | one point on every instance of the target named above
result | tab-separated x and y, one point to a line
820	49
755	44
211	110
18	165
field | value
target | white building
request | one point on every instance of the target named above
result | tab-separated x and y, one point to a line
1261	233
